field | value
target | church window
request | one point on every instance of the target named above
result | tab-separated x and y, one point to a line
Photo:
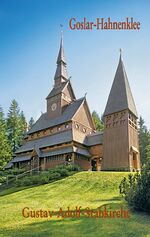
77	126
66	125
84	130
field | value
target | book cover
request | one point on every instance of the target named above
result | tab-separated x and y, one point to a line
74	118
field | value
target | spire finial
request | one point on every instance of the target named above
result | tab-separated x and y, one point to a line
61	33
120	50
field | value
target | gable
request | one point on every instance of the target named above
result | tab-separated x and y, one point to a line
68	91
84	116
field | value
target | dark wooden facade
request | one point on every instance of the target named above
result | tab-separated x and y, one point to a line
66	134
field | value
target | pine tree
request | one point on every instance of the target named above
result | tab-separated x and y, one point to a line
16	125
31	123
23	125
144	140
98	122
5	149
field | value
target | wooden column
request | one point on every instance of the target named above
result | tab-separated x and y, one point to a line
44	163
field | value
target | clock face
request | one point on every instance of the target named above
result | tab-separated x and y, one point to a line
54	106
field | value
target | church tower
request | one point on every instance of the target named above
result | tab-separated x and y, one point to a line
121	146
62	93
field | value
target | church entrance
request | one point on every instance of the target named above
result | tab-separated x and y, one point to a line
94	165
68	159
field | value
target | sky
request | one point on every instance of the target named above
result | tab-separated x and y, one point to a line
29	44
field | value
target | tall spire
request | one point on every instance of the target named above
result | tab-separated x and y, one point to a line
120	97
61	74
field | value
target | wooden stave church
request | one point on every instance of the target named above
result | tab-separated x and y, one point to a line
66	133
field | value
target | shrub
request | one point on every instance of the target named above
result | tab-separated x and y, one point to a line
2	173
18	183
54	176
15	171
35	179
137	189
43	178
26	181
2	179
73	167
63	172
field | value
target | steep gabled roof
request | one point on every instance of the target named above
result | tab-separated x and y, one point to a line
120	97
60	89
89	116
57	90
45	122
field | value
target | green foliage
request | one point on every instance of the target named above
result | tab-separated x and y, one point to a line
73	167
5	150
2	179
137	189
15	171
97	121
64	172
54	176
26	181
45	177
18	183
16	125
144	141
31	123
85	189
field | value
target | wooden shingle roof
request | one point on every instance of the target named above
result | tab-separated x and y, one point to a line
120	97
50	140
45	122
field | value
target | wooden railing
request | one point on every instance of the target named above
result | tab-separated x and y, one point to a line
10	181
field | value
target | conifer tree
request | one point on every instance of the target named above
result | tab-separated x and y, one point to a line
16	125
23	125
31	123
98	122
144	140
5	149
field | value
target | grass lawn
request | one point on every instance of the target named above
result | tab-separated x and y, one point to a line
86	189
